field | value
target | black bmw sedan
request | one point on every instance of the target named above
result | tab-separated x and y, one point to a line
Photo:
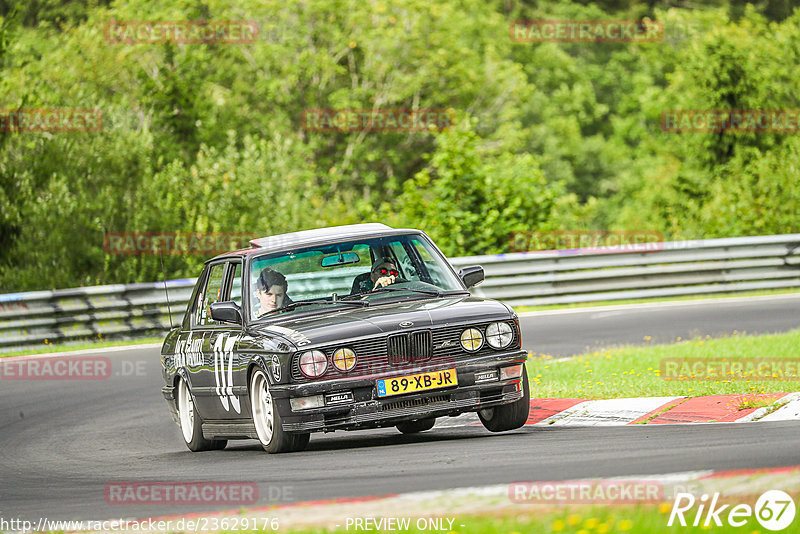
340	328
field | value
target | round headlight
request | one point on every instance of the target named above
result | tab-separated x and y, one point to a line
313	363
344	359
471	339
499	335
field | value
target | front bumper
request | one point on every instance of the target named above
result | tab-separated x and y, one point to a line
367	410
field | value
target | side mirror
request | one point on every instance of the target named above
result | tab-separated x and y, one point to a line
226	312
472	275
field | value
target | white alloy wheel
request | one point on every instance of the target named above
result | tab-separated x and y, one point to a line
263	408
185	411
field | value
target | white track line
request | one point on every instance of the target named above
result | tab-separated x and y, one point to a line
664	304
101	350
789	411
607	412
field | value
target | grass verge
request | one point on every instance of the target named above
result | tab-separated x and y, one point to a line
638	371
51	347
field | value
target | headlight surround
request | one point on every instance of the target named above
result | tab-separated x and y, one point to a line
313	363
344	359
499	335
471	339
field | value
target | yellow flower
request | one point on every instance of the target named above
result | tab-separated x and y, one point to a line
590	523
558	525
352	44
573	519
625	524
664	507
602	528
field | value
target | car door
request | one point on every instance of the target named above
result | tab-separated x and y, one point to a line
230	369
213	383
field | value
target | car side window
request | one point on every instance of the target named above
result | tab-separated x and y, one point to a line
437	276
211	293
236	286
404	263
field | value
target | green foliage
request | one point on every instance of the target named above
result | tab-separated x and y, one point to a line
469	199
209	137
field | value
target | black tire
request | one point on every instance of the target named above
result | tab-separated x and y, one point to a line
420	425
190	423
267	419
508	416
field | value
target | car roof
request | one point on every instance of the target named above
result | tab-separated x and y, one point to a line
318	236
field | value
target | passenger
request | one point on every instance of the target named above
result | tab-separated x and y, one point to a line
271	289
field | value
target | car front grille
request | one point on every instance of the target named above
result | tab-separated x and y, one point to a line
409	347
389	354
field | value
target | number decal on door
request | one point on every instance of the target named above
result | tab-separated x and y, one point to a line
223	348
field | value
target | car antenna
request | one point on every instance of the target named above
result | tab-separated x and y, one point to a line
164	273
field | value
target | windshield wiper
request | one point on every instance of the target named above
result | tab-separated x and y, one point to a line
423	291
294	305
431	292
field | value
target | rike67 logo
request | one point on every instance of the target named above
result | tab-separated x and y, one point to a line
774	510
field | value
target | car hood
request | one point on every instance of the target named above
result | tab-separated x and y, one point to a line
342	323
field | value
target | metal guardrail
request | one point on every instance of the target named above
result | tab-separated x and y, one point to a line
525	278
663	270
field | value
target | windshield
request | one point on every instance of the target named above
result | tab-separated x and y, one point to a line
370	270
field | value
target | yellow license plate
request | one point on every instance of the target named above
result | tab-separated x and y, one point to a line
420	382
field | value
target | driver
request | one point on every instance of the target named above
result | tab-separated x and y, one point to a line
383	273
271	290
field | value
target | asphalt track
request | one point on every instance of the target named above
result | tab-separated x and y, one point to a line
61	442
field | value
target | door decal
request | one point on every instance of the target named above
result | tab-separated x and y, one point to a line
223	347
